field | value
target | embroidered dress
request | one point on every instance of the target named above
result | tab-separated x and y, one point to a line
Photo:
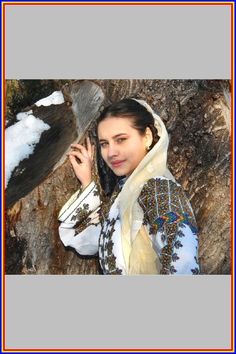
167	217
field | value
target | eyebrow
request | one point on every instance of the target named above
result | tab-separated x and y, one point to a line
114	137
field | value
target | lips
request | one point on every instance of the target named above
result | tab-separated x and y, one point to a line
117	163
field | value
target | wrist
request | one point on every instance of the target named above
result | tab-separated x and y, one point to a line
86	184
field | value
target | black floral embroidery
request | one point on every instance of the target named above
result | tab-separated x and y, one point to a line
180	233
175	257
111	261
101	248
81	213
109	246
165	205
163	237
178	244
84	220
107	203
102	263
107	257
172	269
82	225
96	192
165	258
117	271
165	271
195	271
86	206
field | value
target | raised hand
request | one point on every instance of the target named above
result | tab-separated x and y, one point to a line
81	159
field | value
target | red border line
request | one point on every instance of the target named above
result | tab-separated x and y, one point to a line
119	3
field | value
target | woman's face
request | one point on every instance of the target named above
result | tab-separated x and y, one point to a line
122	146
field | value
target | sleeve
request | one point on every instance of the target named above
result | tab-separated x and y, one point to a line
172	226
80	225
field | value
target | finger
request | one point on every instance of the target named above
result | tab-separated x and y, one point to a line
81	148
78	155
78	146
75	163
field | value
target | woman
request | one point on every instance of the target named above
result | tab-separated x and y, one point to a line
148	226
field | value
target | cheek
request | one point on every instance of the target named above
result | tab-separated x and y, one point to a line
142	151
136	148
142	146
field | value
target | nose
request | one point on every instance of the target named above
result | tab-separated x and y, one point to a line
112	151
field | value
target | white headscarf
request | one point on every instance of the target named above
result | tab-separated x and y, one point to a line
139	256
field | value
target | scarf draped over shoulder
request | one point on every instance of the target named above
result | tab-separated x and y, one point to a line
139	255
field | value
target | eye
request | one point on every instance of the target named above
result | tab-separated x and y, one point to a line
120	140
103	145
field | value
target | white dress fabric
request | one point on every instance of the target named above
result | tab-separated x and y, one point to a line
91	227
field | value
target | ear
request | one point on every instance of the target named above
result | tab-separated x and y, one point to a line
149	137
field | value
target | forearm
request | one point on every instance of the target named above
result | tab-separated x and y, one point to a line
80	224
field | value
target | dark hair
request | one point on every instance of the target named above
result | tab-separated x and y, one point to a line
129	108
141	117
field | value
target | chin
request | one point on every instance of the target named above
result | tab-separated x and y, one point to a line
119	173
